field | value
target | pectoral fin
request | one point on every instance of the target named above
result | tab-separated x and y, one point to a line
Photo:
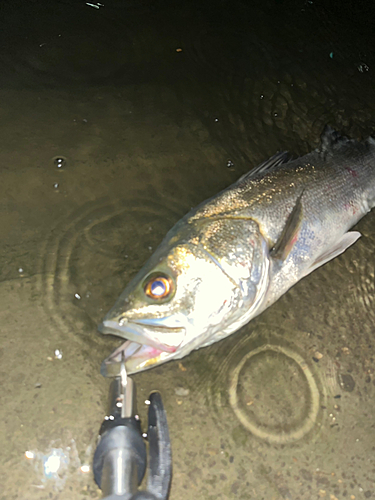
289	234
345	242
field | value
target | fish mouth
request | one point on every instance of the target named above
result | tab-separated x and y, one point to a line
137	358
152	333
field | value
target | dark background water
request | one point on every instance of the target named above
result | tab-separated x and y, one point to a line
155	106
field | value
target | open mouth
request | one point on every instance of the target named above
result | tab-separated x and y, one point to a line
152	333
137	357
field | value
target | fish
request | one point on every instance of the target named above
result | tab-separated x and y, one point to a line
237	253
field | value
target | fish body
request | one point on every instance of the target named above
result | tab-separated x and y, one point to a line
235	254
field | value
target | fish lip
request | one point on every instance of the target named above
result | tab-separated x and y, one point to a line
144	332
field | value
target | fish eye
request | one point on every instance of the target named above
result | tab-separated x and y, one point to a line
158	287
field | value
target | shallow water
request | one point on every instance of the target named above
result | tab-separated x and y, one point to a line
110	134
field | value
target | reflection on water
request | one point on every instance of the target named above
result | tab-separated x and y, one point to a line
115	122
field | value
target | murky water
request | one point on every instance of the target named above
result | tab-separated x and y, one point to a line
116	120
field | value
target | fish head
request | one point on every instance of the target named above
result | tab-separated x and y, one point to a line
190	289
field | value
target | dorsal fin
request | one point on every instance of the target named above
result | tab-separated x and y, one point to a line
267	166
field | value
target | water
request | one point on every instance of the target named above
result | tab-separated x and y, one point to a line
116	120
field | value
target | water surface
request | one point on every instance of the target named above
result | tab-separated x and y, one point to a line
115	120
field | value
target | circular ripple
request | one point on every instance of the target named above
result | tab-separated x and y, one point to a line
91	255
267	381
274	394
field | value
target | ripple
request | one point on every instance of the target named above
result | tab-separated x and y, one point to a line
274	394
93	252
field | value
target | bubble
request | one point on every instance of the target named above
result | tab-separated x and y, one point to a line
230	164
58	354
59	161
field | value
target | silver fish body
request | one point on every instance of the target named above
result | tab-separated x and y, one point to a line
235	254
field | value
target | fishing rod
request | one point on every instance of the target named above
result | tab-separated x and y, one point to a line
120	459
